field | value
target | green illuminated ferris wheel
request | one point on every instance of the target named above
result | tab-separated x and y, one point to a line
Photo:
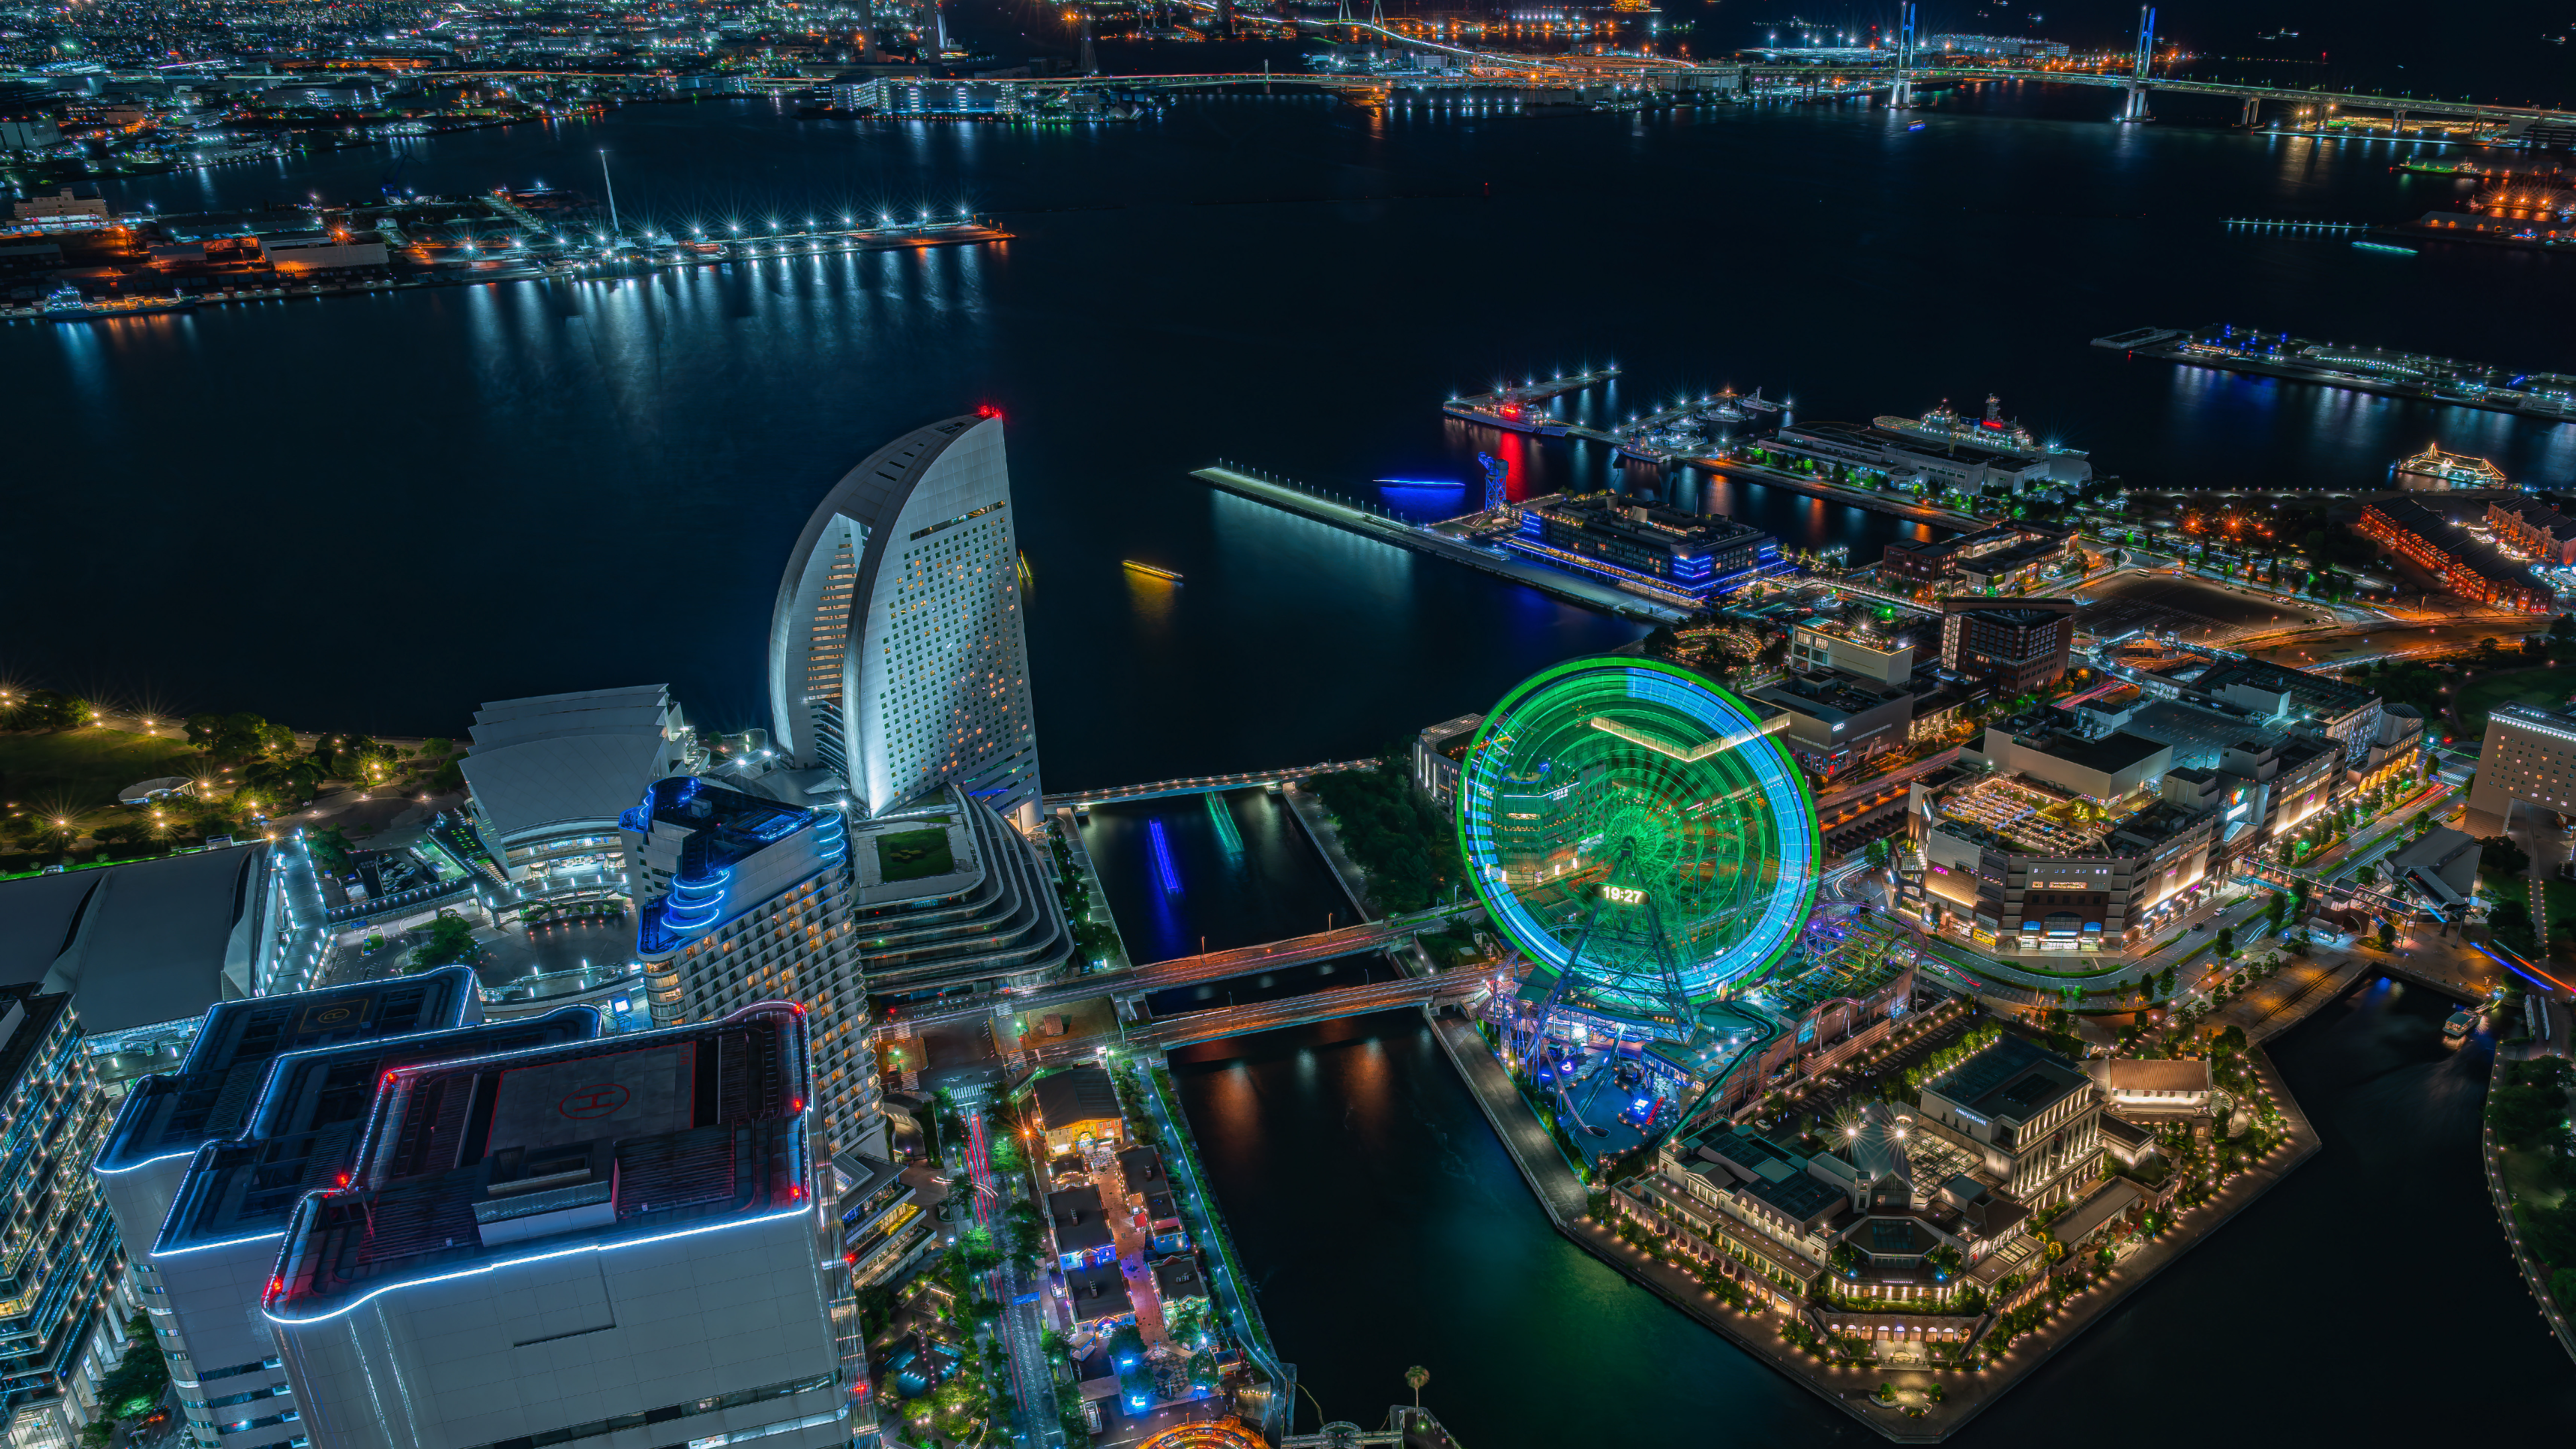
1638	834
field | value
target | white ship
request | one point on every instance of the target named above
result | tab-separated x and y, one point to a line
1944	425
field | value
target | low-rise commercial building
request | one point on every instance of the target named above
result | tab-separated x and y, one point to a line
2139	1088
1864	652
2032	1120
1437	754
2473	570
1078	1104
1687	554
550	774
2534	529
1836	722
2013	861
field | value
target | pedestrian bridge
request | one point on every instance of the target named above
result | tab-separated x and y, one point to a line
1199	784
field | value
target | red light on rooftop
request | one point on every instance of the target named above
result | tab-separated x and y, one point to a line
987	410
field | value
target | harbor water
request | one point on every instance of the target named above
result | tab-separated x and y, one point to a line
375	512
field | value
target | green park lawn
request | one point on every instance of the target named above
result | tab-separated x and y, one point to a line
2547	688
913	855
82	770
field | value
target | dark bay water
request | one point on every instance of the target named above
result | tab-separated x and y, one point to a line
375	513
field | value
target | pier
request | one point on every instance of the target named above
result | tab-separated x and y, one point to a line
2362	369
1290	498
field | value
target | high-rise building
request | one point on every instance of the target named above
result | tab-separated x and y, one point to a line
2014	644
611	1244
204	1166
61	1324
897	657
742	899
2528	755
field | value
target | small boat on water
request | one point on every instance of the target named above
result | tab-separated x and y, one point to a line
1150	571
2461	1023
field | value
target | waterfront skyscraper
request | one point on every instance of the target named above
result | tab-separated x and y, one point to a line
740	900
897	656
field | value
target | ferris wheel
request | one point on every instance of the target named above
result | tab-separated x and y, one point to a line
1639	834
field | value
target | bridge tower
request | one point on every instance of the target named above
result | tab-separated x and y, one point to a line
1090	63
2136	109
1902	96
1495	472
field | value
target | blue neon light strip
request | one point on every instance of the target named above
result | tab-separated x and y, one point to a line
1163	870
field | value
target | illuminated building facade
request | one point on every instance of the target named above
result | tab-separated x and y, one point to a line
2528	755
2012	644
2473	570
897	657
61	1323
1684	554
204	1166
597	1244
742	899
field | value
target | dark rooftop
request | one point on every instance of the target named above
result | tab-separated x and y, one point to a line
305	1130
1081	1224
1076	1094
209	1098
2013	1080
617	1138
1177	1277
2109	755
1099	1291
2312	692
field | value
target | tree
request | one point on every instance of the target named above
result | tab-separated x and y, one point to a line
43	709
2275	909
236	736
332	852
2226	942
2499	855
2387	936
451	939
1414	1378
134	1387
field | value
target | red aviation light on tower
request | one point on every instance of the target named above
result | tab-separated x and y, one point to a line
987	410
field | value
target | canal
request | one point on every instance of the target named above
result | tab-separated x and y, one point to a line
2368	1295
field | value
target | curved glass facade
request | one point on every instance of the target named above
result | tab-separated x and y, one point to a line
1631	824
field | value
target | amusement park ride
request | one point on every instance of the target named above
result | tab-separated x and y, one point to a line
1642	838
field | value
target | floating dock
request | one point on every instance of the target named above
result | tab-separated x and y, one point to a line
1291	498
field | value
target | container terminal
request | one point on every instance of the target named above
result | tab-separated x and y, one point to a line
2363	369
